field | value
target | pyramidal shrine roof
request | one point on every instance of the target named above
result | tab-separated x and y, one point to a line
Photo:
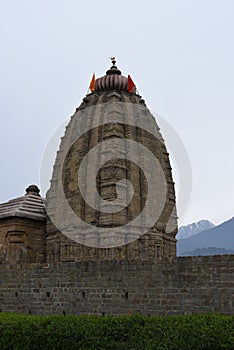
31	205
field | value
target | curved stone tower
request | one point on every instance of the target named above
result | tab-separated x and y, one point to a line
112	194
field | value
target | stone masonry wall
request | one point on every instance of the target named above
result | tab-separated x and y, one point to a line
184	285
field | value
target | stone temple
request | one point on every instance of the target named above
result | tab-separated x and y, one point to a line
103	240
109	117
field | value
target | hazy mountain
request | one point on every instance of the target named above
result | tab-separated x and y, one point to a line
194	228
221	236
208	251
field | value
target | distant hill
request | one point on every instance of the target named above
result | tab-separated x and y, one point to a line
208	251
221	236
194	228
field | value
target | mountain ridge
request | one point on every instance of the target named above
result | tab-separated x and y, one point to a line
220	236
194	228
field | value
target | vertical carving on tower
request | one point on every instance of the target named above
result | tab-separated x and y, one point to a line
110	101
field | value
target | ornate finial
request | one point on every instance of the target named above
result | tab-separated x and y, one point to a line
113	60
113	69
33	189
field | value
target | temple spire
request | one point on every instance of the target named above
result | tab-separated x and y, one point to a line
113	69
113	60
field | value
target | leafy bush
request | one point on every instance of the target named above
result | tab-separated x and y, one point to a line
116	332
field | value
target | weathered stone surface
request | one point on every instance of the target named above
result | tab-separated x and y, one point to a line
22	228
42	271
22	240
180	286
160	240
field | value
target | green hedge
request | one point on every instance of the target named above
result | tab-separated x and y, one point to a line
116	332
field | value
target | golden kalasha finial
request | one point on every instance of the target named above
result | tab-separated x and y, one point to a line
113	60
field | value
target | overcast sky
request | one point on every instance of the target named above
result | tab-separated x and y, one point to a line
180	54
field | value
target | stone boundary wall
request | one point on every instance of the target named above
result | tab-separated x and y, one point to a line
183	285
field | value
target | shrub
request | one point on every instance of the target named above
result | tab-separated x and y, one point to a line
208	331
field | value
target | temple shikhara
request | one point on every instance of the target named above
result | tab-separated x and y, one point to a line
112	116
103	240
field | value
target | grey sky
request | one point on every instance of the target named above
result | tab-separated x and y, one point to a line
179	53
